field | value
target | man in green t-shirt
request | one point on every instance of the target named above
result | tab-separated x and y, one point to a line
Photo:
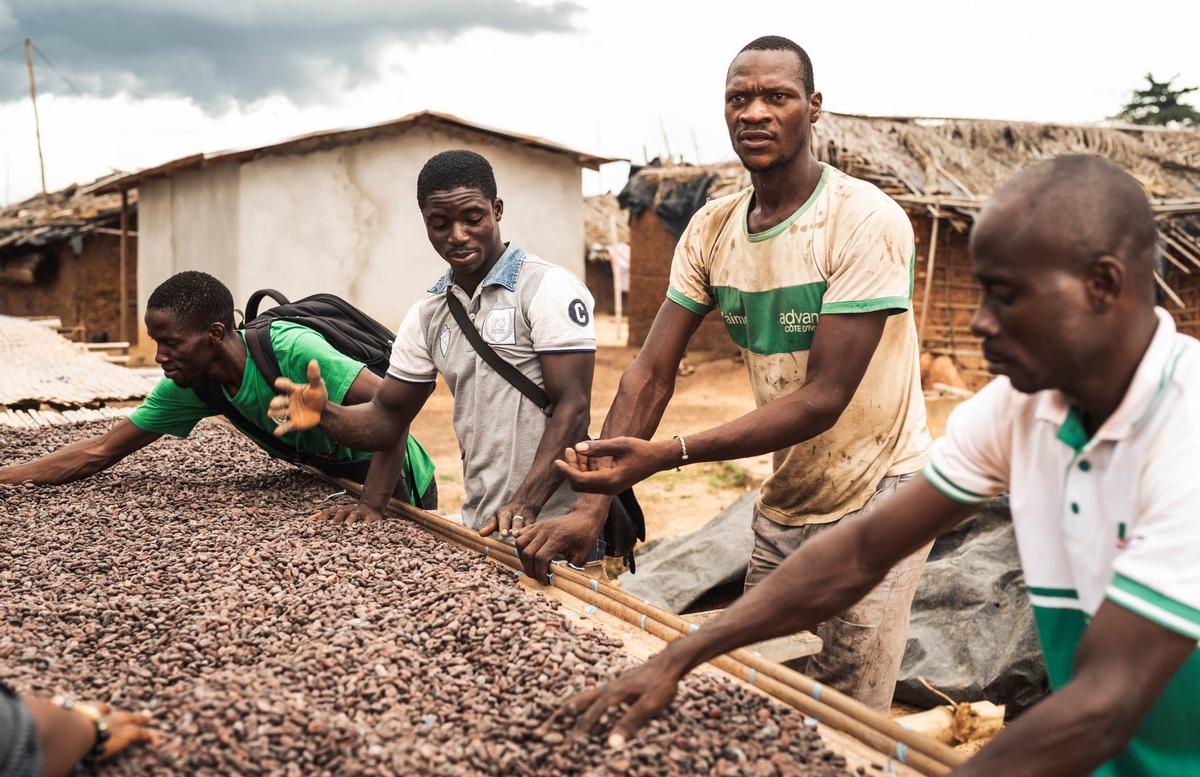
190	317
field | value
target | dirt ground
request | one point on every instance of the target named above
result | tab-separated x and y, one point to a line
675	503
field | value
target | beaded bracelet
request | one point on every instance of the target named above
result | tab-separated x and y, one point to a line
93	715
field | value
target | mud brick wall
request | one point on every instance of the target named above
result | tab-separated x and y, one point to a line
651	247
952	299
82	289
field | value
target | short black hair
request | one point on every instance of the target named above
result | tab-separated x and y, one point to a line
780	43
196	298
455	169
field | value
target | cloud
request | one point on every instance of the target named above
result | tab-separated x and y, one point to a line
222	52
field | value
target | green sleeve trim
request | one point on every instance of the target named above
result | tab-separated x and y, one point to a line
684	301
894	304
948	489
1153	606
1054	593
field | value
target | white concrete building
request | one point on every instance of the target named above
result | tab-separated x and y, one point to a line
337	212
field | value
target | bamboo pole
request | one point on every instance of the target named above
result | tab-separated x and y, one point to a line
928	279
123	264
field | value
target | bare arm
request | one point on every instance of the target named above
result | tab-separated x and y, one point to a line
370	426
1123	664
82	459
387	464
819	580
66	736
568	383
842	349
645	388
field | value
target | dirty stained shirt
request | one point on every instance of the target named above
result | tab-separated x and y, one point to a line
848	249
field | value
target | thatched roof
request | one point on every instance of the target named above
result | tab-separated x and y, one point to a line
949	167
604	221
61	215
956	158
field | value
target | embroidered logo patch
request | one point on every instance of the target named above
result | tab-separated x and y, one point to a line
444	338
500	326
578	312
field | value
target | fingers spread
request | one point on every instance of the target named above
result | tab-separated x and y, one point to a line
314	372
285	384
568	708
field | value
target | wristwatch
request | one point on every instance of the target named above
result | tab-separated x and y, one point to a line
91	713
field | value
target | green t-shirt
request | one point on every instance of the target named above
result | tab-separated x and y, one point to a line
172	410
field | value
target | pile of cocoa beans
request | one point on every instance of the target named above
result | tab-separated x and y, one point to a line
188	580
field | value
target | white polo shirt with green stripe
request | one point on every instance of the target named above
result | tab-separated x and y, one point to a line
1115	517
848	249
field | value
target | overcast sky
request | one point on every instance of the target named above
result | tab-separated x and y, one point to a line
126	84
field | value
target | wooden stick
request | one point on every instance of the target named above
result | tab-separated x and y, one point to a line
928	280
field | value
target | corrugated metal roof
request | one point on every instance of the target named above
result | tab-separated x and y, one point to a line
319	141
40	366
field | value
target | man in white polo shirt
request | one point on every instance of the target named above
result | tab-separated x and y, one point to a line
1093	427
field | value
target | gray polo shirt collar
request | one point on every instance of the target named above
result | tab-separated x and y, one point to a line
504	272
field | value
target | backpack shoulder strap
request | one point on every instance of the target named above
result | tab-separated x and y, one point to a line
533	391
258	341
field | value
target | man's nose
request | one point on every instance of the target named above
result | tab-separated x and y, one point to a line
756	111
983	322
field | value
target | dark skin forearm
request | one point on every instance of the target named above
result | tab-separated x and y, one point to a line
842	350
383	474
646	388
834	571
648	383
81	459
64	736
819	580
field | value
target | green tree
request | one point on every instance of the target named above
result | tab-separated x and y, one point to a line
1160	104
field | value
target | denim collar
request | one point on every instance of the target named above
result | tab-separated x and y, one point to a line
504	272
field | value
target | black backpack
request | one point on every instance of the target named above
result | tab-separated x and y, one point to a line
345	327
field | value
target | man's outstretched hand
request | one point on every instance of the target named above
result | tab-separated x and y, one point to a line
647	690
301	405
611	466
356	513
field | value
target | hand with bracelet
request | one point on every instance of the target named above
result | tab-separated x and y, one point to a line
629	460
75	734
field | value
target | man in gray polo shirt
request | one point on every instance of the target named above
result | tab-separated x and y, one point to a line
536	315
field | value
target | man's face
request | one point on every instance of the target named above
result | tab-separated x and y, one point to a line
767	110
463	227
1034	314
184	352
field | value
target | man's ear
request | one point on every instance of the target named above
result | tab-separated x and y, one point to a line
814	107
216	332
498	207
1105	280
